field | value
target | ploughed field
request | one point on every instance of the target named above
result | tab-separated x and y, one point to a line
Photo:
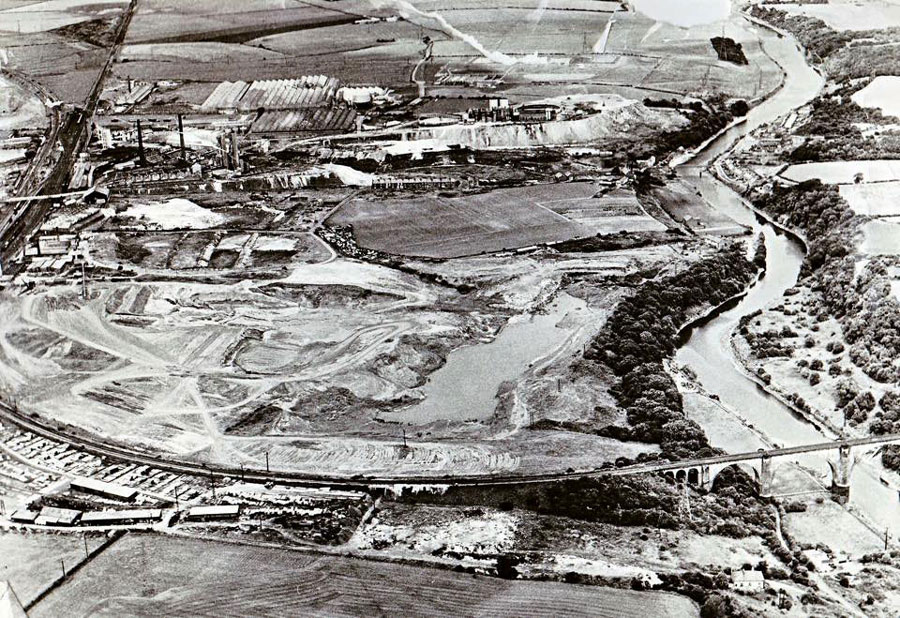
180	576
448	227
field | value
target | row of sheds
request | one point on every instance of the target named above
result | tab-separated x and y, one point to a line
55	516
303	92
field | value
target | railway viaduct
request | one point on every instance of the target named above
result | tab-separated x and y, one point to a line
703	472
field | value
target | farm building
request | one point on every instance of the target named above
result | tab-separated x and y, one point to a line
114	518
748	581
103	489
52	516
207	513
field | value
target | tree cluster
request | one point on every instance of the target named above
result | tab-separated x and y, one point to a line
813	33
642	333
729	50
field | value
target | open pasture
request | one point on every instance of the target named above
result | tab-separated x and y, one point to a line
878	199
453	227
849	14
185	576
168	22
32	562
881	93
844	172
342	38
45	16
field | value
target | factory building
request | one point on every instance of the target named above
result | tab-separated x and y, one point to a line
104	489
120	518
209	513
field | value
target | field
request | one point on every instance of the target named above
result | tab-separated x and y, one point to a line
31	562
530	43
185	576
495	221
849	14
18	110
454	227
879	199
881	93
843	172
846	534
881	237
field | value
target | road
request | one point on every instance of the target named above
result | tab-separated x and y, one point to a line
72	131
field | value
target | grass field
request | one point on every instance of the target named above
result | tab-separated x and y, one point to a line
876	200
31	562
843	172
202	578
453	227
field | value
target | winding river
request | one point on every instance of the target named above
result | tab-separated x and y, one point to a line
708	352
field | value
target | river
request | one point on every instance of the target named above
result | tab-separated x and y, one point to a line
708	352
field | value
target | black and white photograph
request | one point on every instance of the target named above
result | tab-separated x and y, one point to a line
450	308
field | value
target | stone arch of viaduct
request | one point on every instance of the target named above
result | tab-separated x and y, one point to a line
762	469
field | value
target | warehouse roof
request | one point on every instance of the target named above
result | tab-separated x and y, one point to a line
99	517
102	487
219	510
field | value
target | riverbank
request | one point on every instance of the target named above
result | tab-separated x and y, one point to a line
872	504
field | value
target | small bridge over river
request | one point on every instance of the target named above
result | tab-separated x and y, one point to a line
703	472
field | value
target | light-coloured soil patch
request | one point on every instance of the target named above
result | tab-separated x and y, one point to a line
882	93
177	213
844	172
18	110
849	14
877	199
829	523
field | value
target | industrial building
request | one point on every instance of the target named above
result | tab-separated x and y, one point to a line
103	489
119	518
53	516
24	516
212	512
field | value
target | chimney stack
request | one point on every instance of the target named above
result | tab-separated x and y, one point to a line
181	138
140	134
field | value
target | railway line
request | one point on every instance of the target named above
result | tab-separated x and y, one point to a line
71	130
95	446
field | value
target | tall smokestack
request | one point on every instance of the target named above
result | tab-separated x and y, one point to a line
181	137
143	159
236	162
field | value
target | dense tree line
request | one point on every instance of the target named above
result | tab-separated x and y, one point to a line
703	123
642	332
813	33
835	118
